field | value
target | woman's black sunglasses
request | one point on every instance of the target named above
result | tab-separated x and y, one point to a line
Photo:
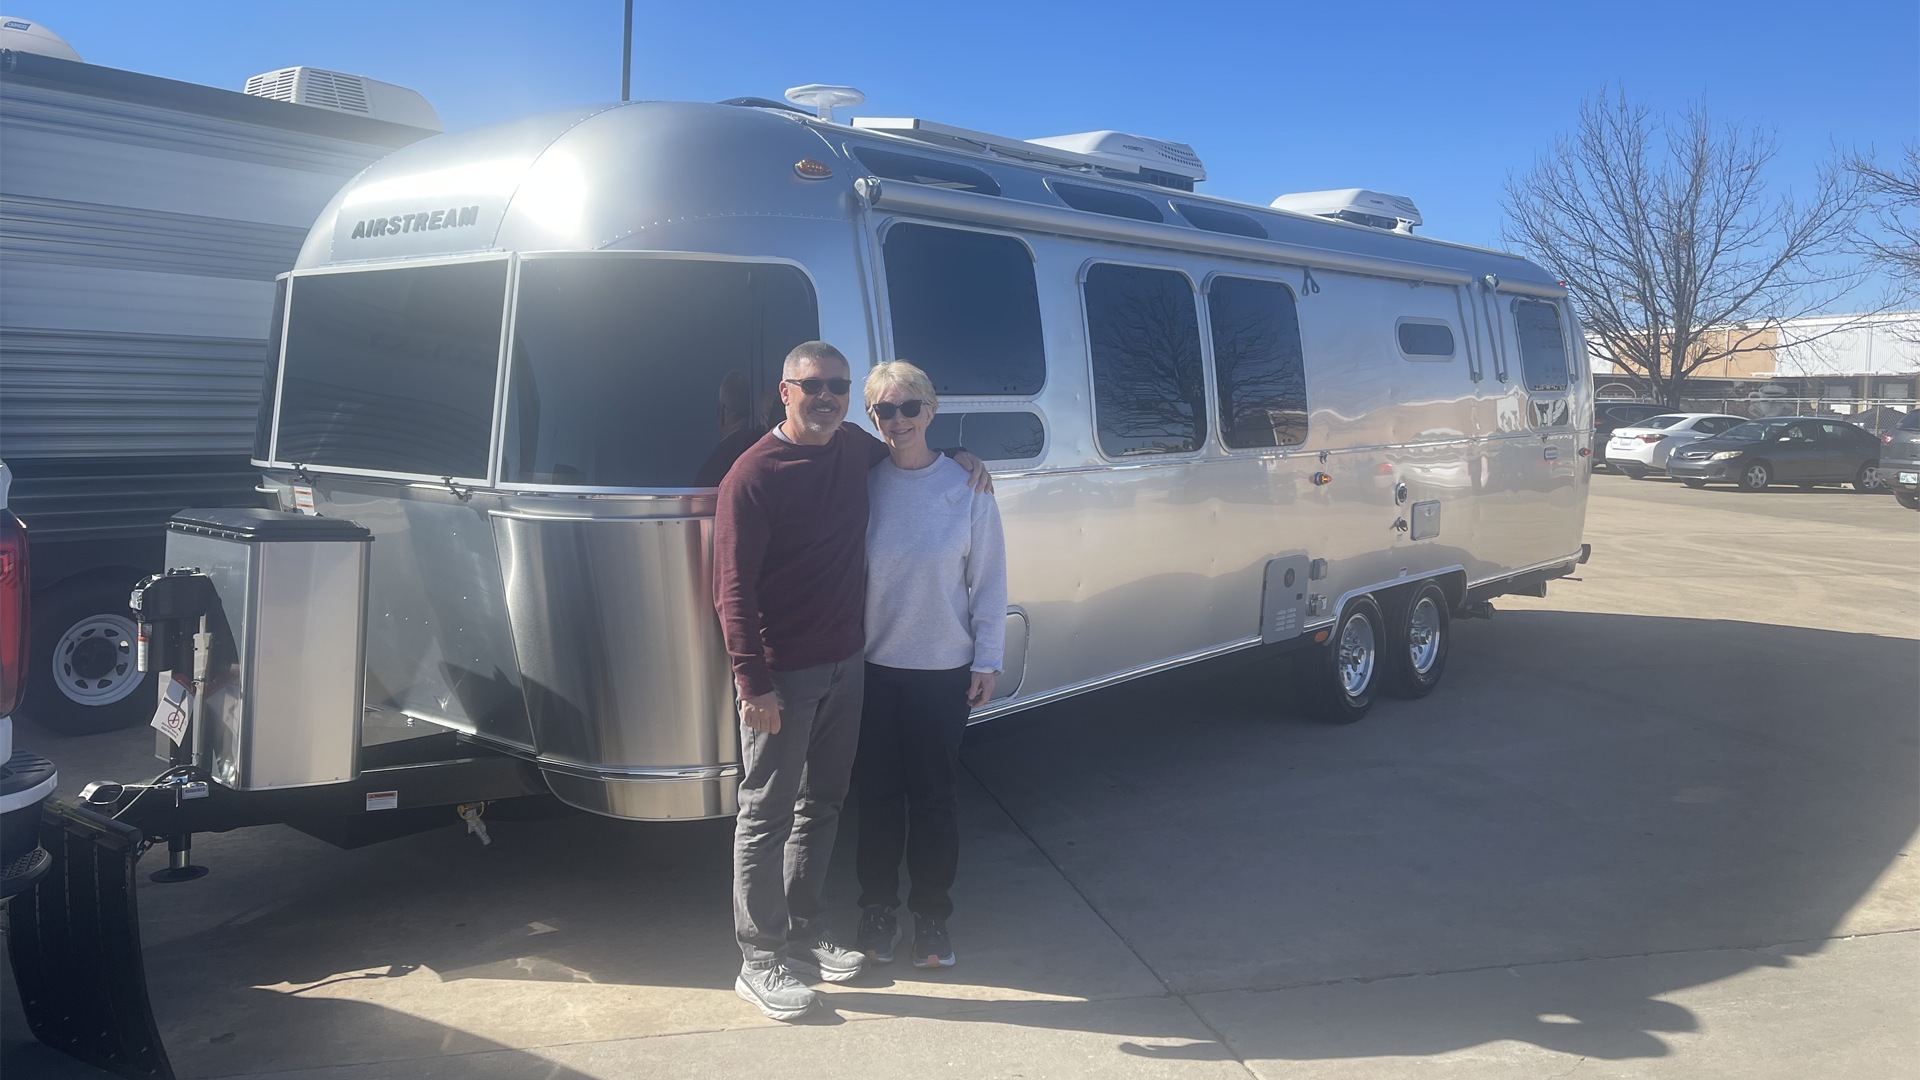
909	409
814	386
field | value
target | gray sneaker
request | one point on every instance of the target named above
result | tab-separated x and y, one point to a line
824	959
775	991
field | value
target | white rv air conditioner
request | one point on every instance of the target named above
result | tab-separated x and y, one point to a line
1395	213
23	35
341	92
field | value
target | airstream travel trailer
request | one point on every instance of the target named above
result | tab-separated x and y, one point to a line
493	383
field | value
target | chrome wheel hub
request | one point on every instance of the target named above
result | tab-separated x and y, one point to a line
1356	656
93	661
1423	635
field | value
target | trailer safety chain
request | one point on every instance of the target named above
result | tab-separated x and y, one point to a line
470	813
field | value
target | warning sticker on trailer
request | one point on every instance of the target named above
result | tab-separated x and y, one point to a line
303	500
170	719
383	800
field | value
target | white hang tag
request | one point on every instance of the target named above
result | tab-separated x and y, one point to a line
303	500
170	719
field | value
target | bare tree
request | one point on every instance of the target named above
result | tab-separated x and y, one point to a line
1889	236
1669	243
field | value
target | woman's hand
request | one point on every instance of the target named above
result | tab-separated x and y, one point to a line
980	690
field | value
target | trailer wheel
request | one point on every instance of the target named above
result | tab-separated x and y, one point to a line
82	679
1343	675
1416	656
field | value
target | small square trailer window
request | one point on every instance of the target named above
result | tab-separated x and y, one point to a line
1425	339
992	436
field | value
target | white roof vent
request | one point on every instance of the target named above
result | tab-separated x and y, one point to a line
1168	164
30	37
1395	213
345	93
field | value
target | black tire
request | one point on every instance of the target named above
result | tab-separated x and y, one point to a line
1867	479
1755	475
1692	483
1631	472
95	687
1908	499
1419	638
1326	684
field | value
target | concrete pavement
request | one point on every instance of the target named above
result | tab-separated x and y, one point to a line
1658	823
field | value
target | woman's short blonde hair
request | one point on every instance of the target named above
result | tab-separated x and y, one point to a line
904	375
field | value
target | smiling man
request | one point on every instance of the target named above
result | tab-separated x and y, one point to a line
790	566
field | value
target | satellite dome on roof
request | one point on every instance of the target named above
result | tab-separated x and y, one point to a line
823	99
21	35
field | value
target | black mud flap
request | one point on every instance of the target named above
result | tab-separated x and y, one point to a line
75	943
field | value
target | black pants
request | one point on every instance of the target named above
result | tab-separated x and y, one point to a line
910	728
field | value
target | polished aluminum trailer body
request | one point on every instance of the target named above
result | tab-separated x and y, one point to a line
571	623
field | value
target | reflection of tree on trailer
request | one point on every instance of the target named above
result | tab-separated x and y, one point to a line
1216	428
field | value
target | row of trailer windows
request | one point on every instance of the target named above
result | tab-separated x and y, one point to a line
647	372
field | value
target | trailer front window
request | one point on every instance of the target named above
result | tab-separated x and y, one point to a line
1543	349
632	372
393	370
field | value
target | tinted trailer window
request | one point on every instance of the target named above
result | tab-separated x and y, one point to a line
619	365
393	370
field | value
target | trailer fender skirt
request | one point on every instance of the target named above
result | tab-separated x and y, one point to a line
75	943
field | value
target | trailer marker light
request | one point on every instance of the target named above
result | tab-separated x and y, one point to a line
809	169
1320	479
1320	637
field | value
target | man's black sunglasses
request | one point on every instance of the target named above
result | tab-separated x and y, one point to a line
814	386
909	409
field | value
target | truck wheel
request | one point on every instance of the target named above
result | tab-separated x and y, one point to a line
1416	655
1342	675
1755	476
81	679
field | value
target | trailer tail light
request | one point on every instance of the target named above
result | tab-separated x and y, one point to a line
13	611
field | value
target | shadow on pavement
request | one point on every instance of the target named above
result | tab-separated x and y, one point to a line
1690	797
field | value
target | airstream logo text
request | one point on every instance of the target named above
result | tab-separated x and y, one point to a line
421	222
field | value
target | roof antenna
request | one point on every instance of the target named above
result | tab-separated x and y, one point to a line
824	99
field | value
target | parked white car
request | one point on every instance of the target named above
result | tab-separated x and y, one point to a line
1644	447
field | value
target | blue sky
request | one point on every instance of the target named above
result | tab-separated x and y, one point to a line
1437	102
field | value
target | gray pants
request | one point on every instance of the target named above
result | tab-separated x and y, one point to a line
792	785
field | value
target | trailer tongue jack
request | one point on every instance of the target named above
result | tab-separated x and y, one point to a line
173	608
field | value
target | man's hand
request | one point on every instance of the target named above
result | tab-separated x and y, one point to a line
982	479
980	689
762	713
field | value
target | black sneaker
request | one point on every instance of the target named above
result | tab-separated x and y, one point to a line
878	931
931	946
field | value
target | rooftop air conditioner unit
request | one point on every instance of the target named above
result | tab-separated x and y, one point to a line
1166	164
1395	213
345	93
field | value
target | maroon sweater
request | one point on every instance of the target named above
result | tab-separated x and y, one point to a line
790	555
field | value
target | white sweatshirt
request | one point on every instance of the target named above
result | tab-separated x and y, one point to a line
936	570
